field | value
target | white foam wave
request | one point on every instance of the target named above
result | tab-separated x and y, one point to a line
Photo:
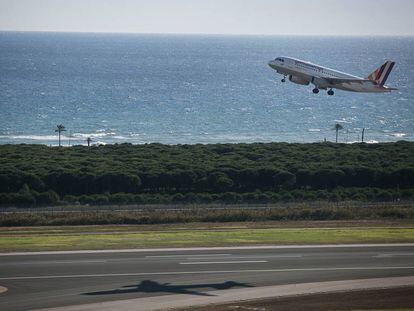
33	137
74	137
357	141
93	135
398	134
343	121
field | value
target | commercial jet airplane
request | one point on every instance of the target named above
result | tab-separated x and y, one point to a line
304	73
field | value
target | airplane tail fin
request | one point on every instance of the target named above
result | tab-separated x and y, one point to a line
381	74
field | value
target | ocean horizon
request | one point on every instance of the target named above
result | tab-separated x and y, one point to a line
188	89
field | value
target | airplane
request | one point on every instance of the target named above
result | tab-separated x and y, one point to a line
304	73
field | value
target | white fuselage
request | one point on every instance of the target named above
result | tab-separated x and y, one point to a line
303	72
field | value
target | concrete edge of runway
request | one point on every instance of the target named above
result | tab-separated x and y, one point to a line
236	295
137	250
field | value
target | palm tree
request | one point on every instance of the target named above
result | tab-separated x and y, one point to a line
60	128
337	128
88	140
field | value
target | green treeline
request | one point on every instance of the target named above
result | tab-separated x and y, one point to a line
228	173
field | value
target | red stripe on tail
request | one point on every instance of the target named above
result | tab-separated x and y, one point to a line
380	72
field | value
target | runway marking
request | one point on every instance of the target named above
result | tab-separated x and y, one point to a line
201	272
58	262
220	262
388	255
201	255
256	256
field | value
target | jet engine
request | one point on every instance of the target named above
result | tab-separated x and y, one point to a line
298	80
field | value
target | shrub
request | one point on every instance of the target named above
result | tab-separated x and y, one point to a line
284	179
70	199
230	197
287	197
190	197
94	199
47	198
177	198
122	198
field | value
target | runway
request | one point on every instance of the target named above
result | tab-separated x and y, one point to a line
50	279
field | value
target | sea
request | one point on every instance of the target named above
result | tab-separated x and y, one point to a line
189	89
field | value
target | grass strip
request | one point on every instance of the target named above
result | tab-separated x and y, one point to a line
32	241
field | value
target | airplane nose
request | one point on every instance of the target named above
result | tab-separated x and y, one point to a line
272	64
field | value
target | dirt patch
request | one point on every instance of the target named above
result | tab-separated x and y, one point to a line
396	298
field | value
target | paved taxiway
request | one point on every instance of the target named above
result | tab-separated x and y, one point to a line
50	280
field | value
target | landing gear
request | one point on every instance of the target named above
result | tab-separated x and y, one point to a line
284	79
315	90
330	92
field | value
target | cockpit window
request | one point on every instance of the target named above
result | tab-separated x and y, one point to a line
280	59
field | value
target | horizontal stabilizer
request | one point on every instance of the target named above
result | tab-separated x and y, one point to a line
391	88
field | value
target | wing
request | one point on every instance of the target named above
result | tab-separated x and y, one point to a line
335	81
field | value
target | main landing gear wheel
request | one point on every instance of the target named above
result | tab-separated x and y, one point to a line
315	90
330	92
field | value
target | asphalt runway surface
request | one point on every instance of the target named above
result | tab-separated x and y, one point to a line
52	280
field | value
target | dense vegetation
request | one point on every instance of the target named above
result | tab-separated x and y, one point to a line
284	212
228	173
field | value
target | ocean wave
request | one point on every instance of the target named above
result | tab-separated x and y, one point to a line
372	141
73	137
33	137
398	134
120	137
93	135
347	120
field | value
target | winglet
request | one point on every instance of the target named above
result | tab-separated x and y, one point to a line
381	74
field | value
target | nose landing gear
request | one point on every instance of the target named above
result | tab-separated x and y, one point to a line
284	79
315	90
330	92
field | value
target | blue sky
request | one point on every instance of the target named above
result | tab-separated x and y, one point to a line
269	17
